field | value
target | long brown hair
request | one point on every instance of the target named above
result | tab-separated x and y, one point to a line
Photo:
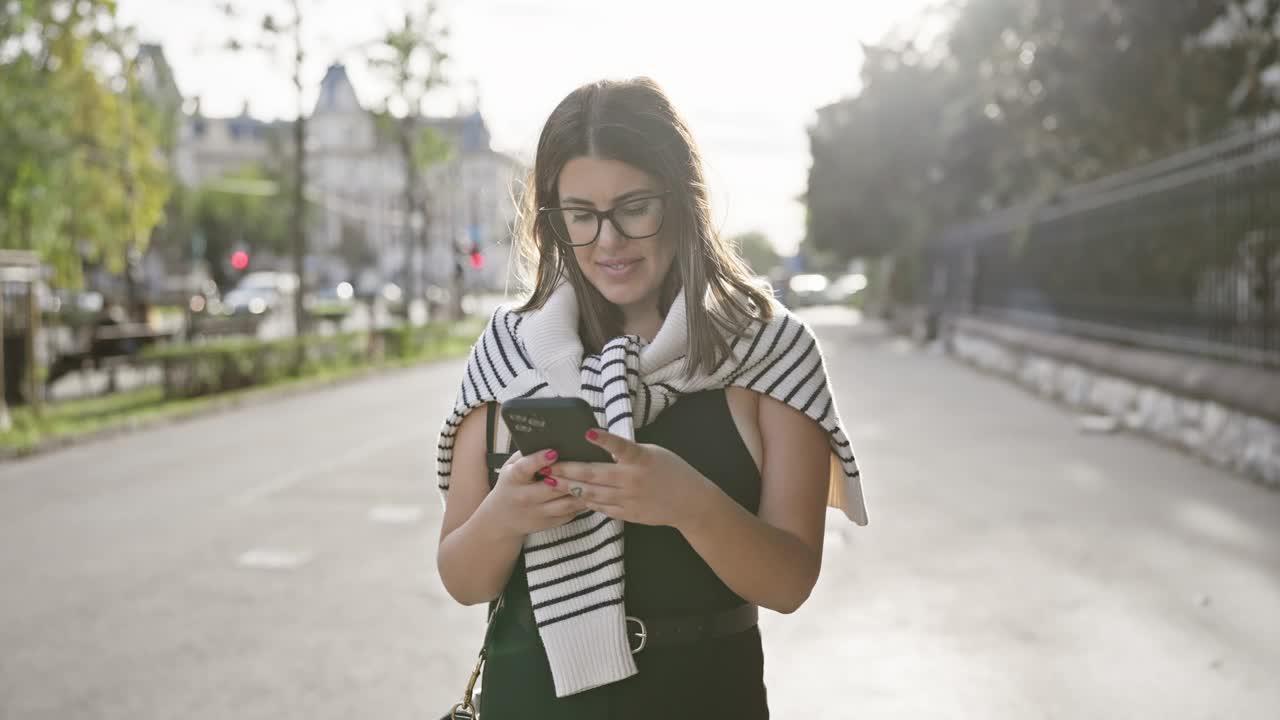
634	122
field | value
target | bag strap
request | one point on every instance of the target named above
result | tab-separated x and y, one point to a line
466	709
496	435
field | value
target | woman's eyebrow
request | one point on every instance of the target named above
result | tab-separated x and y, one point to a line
620	198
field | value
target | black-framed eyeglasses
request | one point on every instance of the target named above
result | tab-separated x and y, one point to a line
635	219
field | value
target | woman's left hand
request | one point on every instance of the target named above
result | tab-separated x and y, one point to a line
645	484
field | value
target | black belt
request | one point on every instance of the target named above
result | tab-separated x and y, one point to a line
666	632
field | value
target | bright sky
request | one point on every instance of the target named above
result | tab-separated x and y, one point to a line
747	80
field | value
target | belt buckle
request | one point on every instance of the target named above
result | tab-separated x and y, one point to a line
642	633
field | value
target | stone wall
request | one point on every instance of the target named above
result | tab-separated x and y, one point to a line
1226	414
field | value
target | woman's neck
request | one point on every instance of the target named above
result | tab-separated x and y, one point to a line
643	322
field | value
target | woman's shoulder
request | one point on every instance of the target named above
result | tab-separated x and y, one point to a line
509	309
505	320
777	317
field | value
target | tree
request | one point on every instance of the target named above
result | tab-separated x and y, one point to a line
239	210
412	58
353	248
285	37
759	253
80	178
1084	88
1249	33
873	155
1018	100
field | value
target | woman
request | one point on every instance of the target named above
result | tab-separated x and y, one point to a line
630	588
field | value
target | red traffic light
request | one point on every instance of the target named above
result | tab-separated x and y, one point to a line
477	259
239	260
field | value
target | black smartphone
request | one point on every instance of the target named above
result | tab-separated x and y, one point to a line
554	423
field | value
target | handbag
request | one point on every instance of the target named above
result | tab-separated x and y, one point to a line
469	707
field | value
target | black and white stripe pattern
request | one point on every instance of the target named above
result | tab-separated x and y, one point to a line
575	571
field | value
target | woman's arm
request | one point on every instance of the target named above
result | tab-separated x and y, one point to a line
771	559
483	530
475	557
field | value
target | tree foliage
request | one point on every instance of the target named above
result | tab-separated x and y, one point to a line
81	178
282	36
1018	99
243	210
759	253
413	59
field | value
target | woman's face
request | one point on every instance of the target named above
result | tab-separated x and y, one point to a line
627	272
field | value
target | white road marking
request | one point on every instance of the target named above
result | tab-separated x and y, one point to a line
1098	424
289	479
395	514
273	559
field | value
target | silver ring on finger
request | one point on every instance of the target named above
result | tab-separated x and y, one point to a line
576	491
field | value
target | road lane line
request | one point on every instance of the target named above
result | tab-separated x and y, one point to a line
289	479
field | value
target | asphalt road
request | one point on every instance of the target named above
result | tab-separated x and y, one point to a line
277	561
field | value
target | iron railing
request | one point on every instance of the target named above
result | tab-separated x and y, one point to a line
1182	254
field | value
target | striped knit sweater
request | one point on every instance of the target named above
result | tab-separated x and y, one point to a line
575	571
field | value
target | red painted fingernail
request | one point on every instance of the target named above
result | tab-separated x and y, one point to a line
552	455
543	471
592	434
551	482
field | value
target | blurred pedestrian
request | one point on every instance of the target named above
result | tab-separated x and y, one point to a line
712	399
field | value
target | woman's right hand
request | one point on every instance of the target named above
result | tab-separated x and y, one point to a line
522	502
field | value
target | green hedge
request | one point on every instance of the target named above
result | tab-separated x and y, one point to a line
235	363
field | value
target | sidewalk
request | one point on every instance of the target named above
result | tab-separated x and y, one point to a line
1015	568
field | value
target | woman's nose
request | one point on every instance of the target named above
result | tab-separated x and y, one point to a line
609	235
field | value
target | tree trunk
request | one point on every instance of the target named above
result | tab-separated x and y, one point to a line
413	235
298	219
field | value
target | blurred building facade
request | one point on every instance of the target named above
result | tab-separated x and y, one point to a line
359	230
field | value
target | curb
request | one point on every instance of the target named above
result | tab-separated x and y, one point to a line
246	398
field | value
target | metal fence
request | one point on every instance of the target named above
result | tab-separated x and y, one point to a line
1182	254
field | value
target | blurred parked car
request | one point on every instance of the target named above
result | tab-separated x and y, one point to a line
334	301
183	301
260	293
808	289
72	307
842	290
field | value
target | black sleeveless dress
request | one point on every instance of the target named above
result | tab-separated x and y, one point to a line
718	678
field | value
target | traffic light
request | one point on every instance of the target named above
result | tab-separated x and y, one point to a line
477	258
239	260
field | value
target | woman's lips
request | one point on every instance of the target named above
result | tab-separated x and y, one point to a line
618	269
